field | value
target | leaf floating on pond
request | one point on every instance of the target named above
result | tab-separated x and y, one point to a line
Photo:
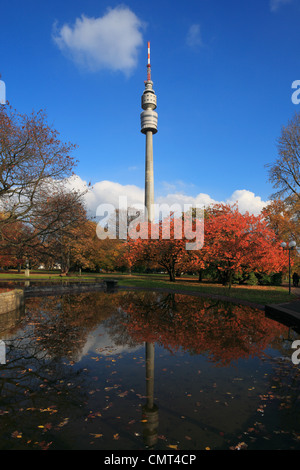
94	415
63	423
239	446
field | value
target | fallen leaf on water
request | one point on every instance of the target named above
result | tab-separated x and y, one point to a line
44	445
239	446
94	415
171	446
50	410
96	436
63	423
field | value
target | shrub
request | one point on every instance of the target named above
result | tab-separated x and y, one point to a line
251	280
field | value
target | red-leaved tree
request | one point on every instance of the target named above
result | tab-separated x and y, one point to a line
236	242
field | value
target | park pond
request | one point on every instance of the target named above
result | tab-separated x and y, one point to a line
132	370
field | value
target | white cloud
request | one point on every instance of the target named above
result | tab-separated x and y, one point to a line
193	37
247	201
276	4
108	192
108	42
181	199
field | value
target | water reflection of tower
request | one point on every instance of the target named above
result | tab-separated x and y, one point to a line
150	410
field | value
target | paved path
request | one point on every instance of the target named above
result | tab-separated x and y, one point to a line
295	304
296	290
288	310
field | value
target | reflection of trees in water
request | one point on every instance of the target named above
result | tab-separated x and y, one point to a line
30	372
51	333
36	390
117	330
39	384
224	332
63	323
55	329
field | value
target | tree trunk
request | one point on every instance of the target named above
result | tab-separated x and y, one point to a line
171	275
229	280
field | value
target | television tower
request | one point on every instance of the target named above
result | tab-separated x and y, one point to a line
149	127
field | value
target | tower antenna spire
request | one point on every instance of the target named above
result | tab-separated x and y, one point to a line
148	65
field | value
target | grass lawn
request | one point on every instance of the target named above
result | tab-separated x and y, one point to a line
257	294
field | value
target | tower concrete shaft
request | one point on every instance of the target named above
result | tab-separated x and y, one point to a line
149	176
149	127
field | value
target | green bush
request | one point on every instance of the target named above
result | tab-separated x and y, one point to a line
272	279
251	280
276	279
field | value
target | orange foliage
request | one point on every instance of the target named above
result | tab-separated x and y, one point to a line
233	242
224	332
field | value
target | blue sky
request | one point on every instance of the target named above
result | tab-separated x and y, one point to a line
222	71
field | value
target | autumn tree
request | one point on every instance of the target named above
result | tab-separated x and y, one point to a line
161	244
87	251
283	212
236	242
62	228
282	217
284	173
33	164
109	255
12	256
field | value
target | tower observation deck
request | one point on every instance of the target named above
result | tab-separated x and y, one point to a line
149	127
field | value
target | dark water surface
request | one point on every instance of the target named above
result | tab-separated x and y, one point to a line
136	370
